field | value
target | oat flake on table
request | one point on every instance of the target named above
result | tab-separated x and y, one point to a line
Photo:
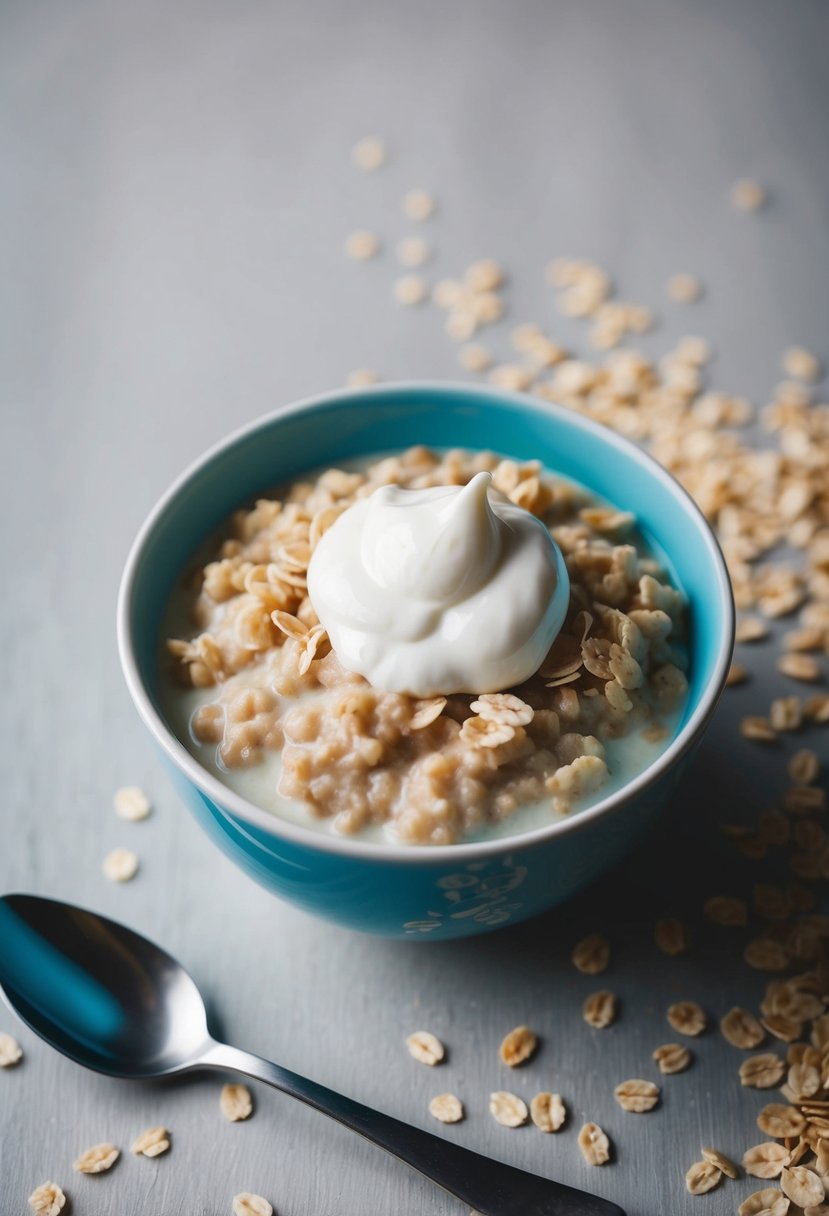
47	1200
248	1204
97	1160
425	1047
236	1102
701	1177
152	1143
548	1111
131	803
518	1046
120	865
11	1052
508	1109
447	1108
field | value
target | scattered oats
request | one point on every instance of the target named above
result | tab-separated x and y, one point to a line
803	1080
460	325
474	358
484	275
502	707
426	712
518	1046
684	288
802	1186
236	1102
120	865
800	364
766	1160
152	1143
418	205
781	1121
97	1159
513	376
10	1051
687	1017
763	1071
425	1047
548	1111
768	1202
247	1204
508	1109
766	954
804	799
591	955
410	289
671	936
726	910
369	153
47	1200
741	1028
724	1164
637	1096
447	1108
693	350
737	674
413	251
361	377
703	1176
599	1009
747	195
594	1144
361	245
131	803
785	713
757	729
751	629
799	666
672	1058
804	766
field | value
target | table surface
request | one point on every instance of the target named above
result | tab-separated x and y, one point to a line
176	188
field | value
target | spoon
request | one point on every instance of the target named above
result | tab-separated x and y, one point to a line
116	1003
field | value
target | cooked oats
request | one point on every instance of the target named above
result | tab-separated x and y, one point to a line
548	1112
518	1046
131	803
361	245
766	1160
97	1159
637	1096
747	195
502	707
672	1058
152	1143
120	865
418	205
599	1009
236	1102
671	936
594	1144
425	1048
724	1164
447	1108
802	1186
47	1200
591	955
726	910
248	1204
410	289
426	712
10	1051
702	1177
686	1017
762	1071
369	153
684	288
508	1109
799	666
768	1202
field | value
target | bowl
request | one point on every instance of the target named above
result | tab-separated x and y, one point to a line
423	891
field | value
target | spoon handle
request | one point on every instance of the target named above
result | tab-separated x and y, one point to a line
491	1188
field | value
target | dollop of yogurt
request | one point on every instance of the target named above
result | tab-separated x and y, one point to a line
437	591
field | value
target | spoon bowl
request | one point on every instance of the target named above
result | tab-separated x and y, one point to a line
115	1002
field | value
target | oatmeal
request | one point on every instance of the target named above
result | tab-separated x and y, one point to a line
261	699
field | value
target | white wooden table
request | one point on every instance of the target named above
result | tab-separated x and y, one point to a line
175	188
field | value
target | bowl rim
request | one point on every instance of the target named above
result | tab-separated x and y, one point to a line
228	801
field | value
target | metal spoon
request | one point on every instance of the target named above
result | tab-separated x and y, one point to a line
114	1002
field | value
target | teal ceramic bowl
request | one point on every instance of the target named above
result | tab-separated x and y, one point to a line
418	891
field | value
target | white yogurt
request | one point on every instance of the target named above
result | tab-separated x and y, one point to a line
446	590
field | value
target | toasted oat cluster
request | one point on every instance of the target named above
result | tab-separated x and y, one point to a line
441	768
